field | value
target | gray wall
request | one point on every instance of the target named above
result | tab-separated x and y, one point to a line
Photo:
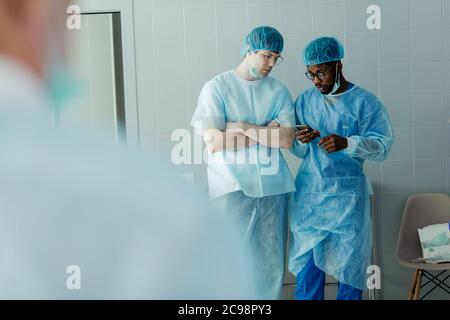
180	44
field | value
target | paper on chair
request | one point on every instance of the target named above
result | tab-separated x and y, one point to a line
435	242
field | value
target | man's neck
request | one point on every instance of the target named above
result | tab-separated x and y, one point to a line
344	85
242	71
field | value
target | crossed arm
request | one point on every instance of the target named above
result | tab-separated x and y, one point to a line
239	135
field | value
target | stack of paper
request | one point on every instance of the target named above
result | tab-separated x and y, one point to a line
435	241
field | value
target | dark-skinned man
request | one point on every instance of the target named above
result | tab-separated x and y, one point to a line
329	215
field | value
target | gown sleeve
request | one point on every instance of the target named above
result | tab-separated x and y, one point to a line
375	134
299	149
209	113
286	114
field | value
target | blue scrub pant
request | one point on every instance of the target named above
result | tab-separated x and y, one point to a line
311	285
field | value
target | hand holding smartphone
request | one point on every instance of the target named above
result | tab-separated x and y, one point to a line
305	133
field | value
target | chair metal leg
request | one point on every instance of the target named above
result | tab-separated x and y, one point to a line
413	285
436	282
418	285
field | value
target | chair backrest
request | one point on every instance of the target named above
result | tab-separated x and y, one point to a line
421	209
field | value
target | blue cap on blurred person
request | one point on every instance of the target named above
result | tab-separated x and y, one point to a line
323	50
263	38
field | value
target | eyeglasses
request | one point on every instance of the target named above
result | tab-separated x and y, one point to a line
276	60
320	75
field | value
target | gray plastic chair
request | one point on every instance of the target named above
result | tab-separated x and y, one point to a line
422	209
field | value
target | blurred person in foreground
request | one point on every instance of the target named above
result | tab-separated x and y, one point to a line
81	219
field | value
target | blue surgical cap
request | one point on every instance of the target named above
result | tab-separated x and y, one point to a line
323	50
263	38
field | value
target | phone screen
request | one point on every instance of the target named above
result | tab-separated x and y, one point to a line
301	127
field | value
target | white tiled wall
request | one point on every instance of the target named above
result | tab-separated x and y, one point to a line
406	63
92	50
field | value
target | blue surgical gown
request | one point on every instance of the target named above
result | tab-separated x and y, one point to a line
329	215
257	171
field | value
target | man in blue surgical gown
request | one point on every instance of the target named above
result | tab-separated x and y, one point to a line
329	214
245	117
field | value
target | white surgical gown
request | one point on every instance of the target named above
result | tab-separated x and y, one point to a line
254	190
229	98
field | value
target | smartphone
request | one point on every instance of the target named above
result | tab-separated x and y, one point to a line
300	127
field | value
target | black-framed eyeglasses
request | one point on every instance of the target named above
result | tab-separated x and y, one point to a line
320	75
276	60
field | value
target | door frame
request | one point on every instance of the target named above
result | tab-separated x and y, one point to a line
126	11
